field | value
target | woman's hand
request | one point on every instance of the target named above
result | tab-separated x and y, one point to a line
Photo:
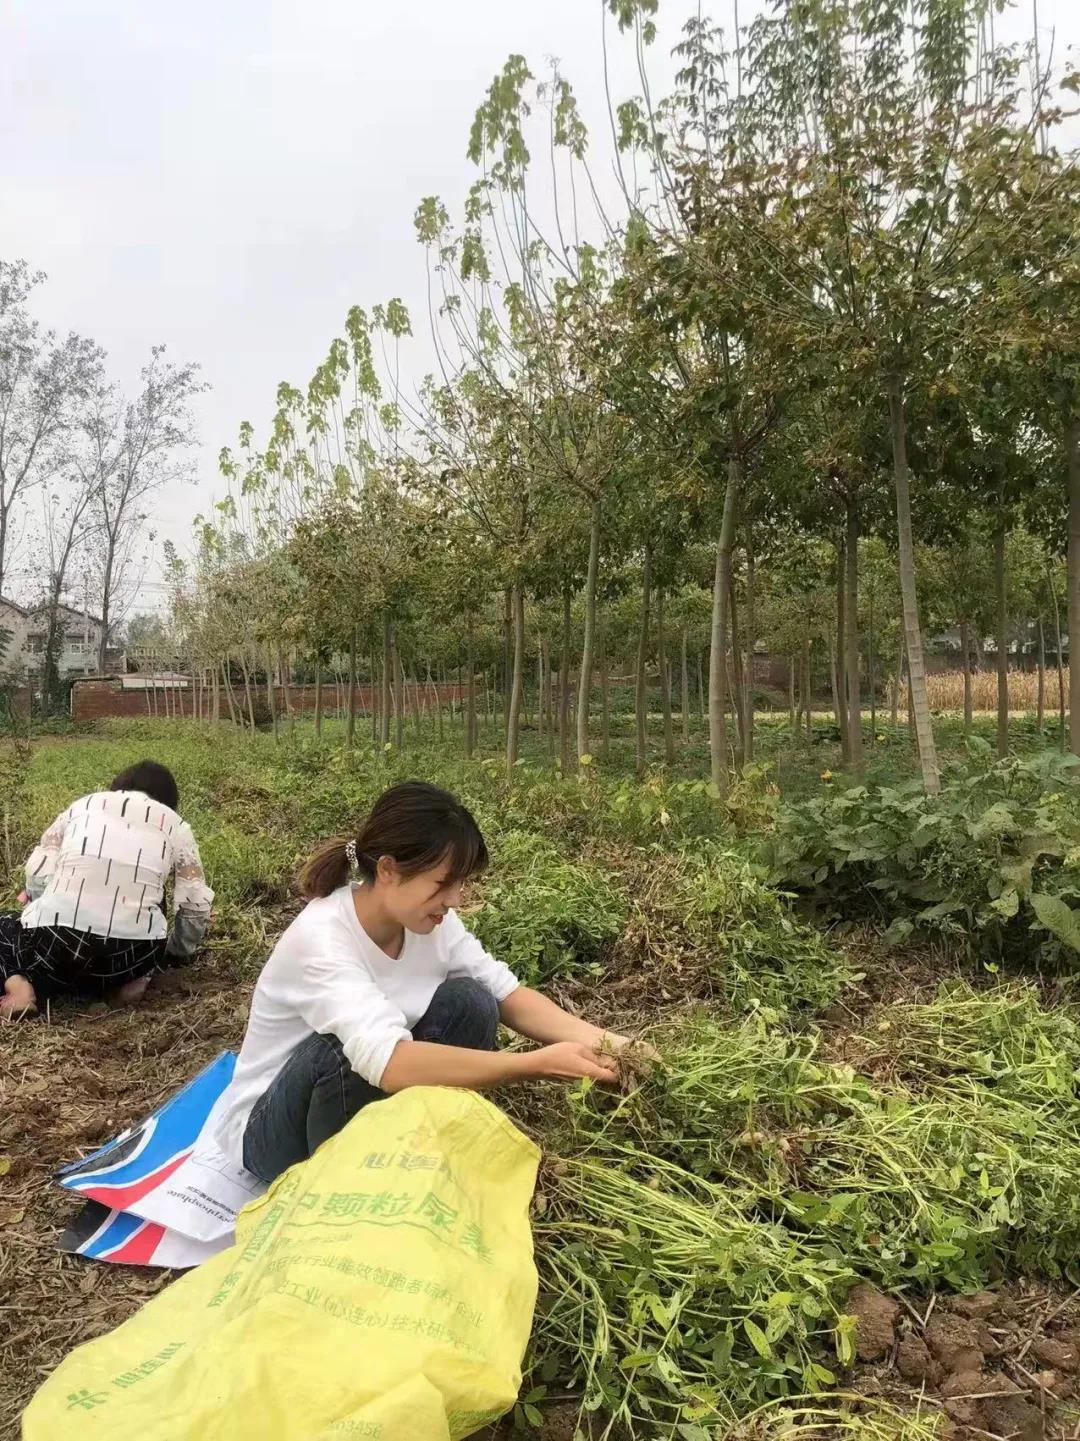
24	898
539	1019
571	1061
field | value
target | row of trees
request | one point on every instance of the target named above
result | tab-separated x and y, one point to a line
824	336
79	464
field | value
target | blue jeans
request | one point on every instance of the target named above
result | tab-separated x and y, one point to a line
316	1091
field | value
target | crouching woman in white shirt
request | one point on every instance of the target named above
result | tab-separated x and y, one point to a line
94	923
377	985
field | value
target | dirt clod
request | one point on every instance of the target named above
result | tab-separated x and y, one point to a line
1012	1416
877	1316
1059	1355
977	1306
956	1342
960	1392
992	1404
966	1385
914	1361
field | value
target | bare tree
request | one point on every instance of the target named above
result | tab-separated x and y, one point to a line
43	384
143	441
69	520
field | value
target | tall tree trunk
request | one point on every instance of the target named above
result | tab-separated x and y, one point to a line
851	616
1072	452
808	683
718	639
470	661
106	601
384	696
1002	599
508	627
965	661
605	714
54	645
417	702
800	696
553	708
834	685
432	701
397	673
271	699
665	687
247	693
641	689
1040	702
1058	643
545	706
749	644
541	689
318	697
564	683
839	656
871	667
910	704
735	679
285	674
517	611
685	691
215	706
350	724
791	694
588	644
897	681
234	714
924	730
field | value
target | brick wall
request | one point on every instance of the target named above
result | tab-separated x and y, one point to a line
98	699
302	697
101	699
19	699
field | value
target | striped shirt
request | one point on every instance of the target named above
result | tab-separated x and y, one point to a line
102	867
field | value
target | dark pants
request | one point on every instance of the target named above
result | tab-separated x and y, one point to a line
58	961
316	1091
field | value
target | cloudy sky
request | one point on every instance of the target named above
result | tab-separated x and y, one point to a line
229	176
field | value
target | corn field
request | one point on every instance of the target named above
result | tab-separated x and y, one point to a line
945	690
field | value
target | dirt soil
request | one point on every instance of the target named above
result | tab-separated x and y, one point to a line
1002	1363
67	1085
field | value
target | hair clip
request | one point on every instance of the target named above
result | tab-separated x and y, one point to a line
350	856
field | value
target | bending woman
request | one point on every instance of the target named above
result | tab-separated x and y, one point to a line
95	886
377	985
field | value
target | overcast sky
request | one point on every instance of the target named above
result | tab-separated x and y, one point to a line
230	176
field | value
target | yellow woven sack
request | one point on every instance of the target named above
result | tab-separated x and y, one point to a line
384	1289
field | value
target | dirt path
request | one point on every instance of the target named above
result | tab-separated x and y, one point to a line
66	1086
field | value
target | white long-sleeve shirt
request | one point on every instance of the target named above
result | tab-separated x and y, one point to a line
326	976
102	867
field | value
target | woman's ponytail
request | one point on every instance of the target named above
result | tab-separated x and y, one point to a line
326	869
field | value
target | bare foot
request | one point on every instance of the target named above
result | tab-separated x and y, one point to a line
19	999
132	992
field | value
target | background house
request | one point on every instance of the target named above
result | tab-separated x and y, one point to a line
14	623
23	633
